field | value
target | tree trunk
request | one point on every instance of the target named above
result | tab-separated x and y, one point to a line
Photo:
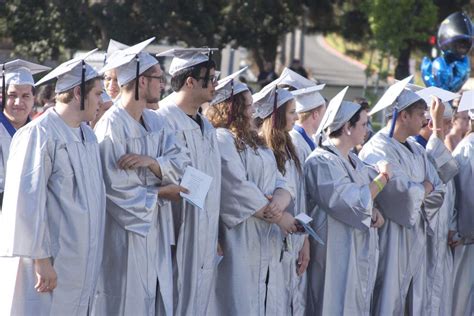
403	63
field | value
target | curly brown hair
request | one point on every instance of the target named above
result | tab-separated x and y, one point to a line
279	140
240	125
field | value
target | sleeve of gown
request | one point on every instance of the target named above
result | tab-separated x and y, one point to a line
240	198
401	199
329	186
464	182
25	219
441	157
129	202
434	200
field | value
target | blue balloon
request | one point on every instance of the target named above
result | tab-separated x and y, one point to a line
446	74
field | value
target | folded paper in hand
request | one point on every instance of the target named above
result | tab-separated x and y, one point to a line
304	221
198	184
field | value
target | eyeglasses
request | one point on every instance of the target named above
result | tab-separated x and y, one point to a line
160	78
212	79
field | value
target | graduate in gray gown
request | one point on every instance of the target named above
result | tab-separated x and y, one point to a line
340	190
139	157
439	256
412	197
276	107
310	107
463	292
54	202
250	224
196	257
17	104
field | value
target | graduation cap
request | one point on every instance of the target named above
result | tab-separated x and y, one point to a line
268	100
113	47
130	63
187	57
308	98
72	73
293	79
338	113
397	98
19	72
467	102
444	95
227	88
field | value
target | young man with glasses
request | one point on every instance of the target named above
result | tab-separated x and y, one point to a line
194	81
142	166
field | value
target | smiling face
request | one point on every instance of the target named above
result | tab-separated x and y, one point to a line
20	100
111	84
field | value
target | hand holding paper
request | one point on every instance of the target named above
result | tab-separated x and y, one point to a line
304	221
198	184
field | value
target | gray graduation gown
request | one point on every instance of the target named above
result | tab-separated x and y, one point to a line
463	292
197	230
341	273
136	275
54	206
439	256
402	239
301	145
252	247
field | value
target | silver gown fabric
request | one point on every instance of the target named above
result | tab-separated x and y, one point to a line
439	256
295	286
5	140
54	206
252	247
402	239
463	293
341	273
137	265
197	230
302	147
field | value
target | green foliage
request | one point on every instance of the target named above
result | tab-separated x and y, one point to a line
395	24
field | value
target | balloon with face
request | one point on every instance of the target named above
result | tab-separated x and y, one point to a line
451	70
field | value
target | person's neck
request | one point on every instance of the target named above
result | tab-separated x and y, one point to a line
15	123
308	127
398	133
343	145
133	107
457	132
425	134
69	113
187	103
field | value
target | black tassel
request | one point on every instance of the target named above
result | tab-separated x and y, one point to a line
136	78
83	84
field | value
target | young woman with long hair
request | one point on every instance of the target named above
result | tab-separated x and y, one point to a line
252	212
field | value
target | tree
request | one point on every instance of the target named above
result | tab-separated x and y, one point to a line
400	26
259	24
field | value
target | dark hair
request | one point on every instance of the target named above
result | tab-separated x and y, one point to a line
129	86
179	78
352	121
68	95
33	90
45	94
412	107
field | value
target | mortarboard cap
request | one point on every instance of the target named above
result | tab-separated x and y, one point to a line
70	74
228	87
291	78
114	46
269	99
338	113
444	95
467	101
308	98
130	63
186	57
19	72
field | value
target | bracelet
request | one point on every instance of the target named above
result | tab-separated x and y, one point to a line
385	174
378	184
